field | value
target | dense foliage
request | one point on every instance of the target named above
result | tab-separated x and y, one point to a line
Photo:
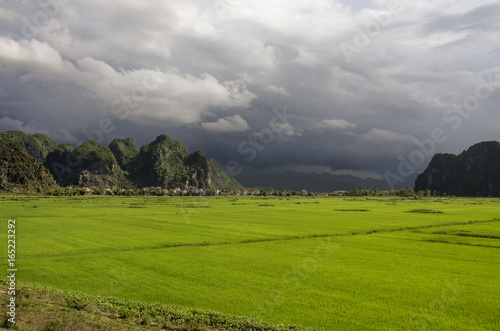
124	150
19	172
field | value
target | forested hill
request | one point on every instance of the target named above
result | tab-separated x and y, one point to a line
21	173
474	172
164	163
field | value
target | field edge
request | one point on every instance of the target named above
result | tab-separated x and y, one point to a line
45	308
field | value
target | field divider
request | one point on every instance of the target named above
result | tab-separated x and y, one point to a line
251	241
458	243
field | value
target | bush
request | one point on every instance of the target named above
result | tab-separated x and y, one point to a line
76	303
425	211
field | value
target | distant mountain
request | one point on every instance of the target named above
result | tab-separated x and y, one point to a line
163	163
474	172
311	182
167	163
21	173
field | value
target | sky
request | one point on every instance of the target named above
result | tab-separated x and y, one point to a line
370	88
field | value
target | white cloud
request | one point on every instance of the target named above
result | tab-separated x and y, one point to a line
284	129
277	90
377	137
229	124
337	124
33	57
156	97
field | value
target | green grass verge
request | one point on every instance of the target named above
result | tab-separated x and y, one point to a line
43	308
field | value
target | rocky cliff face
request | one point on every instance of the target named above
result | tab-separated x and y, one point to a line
198	170
88	165
475	172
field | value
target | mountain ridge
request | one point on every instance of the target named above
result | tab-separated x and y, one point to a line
164	163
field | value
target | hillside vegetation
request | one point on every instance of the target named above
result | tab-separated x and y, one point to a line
37	145
125	151
21	173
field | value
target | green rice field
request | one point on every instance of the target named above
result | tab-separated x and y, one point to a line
330	263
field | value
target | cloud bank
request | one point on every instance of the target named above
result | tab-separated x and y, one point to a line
365	80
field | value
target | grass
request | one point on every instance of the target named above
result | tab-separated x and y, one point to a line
315	263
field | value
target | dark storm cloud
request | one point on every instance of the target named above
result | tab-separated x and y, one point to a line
210	73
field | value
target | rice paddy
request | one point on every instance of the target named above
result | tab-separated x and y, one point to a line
330	263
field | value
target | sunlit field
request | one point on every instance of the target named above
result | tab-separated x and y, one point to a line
331	263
